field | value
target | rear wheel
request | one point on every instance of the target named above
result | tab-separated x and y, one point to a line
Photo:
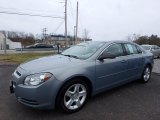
146	74
73	96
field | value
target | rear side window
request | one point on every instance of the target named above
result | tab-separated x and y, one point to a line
131	49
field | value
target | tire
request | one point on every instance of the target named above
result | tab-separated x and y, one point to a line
146	75
73	96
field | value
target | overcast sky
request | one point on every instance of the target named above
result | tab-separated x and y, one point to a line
104	19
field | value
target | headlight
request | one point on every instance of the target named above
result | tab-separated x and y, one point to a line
37	79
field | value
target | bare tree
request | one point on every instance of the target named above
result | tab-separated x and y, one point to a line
133	37
24	38
85	34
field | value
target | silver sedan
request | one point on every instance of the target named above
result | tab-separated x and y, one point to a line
154	49
67	80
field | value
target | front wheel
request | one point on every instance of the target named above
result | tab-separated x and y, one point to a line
146	74
73	96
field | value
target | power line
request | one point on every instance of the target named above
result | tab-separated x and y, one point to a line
71	8
33	15
59	26
71	16
66	1
80	24
24	10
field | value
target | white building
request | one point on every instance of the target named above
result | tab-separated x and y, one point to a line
9	44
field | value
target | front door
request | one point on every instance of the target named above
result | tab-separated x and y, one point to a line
111	71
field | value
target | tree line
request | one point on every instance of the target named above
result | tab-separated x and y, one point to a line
151	40
29	38
24	38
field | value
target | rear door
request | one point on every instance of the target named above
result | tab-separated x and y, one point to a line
135	61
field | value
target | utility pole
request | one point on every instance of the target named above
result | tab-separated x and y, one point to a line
44	33
76	25
65	23
74	35
4	45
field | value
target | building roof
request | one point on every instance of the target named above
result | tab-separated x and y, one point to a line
62	36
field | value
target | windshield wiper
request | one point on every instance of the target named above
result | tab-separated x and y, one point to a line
73	56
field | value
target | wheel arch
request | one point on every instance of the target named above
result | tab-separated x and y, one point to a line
149	64
84	78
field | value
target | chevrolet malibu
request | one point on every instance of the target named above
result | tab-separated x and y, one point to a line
67	80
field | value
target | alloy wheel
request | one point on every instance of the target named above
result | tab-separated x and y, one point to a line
75	96
147	74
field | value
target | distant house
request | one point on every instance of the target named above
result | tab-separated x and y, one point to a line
9	44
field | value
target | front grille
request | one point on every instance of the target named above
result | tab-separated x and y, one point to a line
19	74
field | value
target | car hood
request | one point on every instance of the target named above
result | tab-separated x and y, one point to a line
49	62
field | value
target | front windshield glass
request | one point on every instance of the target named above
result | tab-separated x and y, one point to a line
146	47
83	50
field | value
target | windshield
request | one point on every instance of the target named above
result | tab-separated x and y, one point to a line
146	47
83	50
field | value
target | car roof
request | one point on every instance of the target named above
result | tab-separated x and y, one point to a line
146	45
114	41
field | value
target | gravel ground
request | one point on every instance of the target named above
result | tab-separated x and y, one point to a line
156	68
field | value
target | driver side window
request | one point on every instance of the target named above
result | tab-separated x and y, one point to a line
115	49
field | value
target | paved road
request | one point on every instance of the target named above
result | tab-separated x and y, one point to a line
156	68
17	52
134	101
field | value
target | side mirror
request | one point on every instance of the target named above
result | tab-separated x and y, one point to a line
106	55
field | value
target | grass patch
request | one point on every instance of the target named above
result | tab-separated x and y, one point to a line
22	57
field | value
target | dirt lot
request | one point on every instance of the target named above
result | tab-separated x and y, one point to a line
134	101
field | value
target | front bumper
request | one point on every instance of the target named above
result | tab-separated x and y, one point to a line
42	96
